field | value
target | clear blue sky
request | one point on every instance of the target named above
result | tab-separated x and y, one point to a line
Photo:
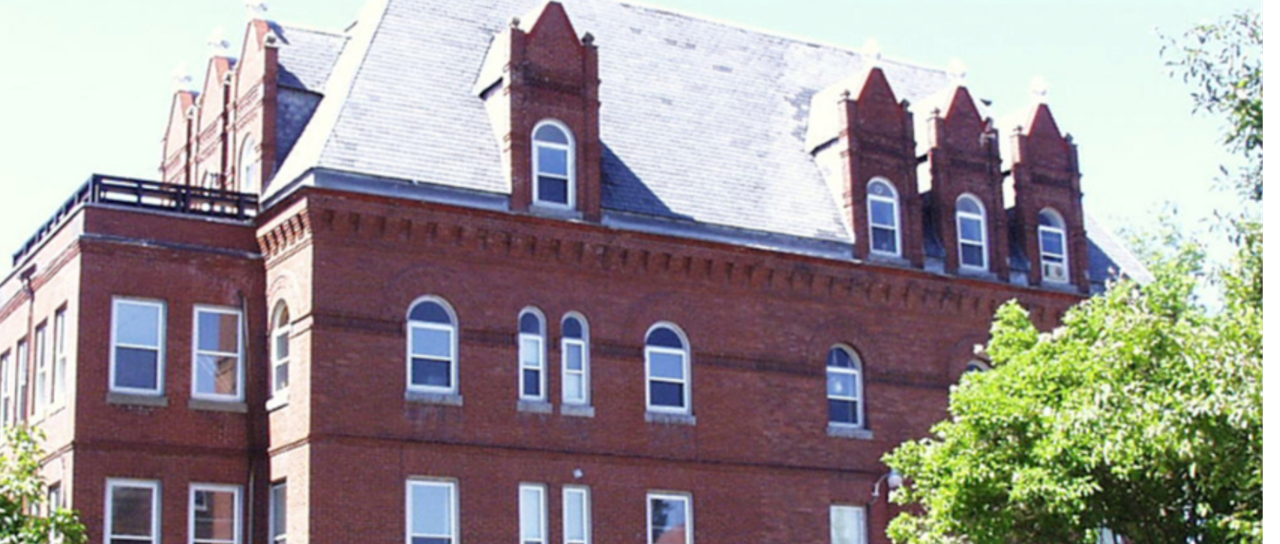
87	83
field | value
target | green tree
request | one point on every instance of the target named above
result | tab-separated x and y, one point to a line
23	497
1142	413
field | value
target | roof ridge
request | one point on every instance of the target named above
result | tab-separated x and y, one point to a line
310	28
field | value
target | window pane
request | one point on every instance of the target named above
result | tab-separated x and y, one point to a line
553	161
669	521
434	343
882	213
1051	242
572	328
136	368
428	540
970	230
531	514
575	526
531	351
847	525
971	255
840	384
573	388
215	515
664	337
430	312
279	511
530	324
666	365
573	356
968	205
666	394
884	240
131	511
839	358
218	332
137	324
216	374
282	377
532	383
431	372
553	189
432	511
843	411
551	133
282	345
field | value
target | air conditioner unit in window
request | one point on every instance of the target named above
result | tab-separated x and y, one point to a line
1054	271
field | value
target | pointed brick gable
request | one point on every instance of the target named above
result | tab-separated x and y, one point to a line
1046	175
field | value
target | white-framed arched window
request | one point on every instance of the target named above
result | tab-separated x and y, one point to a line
666	368
281	329
553	165
533	355
432	345
971	232
1054	264
883	218
575	359
249	166
977	365
844	387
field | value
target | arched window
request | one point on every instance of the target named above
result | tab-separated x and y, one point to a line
1053	246
977	365
533	355
971	232
844	387
882	214
249	164
281	328
575	359
553	165
433	347
666	365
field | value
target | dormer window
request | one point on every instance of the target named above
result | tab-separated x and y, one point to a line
882	212
249	166
971	233
1053	247
553	175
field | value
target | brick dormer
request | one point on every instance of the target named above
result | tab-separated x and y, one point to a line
877	145
1046	178
175	160
254	101
538	74
212	148
964	163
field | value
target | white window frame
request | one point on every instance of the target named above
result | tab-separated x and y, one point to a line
154	487
196	352
541	490
280	393
249	166
1058	229
42	382
859	512
22	392
160	349
571	184
858	397
191	512
540	362
649	377
897	218
6	389
686	498
454	516
585	492
273	512
451	328
584	347
961	242
59	395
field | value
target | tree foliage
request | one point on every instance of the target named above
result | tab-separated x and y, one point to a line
1142	413
23	497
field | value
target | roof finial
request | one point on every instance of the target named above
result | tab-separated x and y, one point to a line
181	78
515	22
218	43
1039	90
588	39
957	71
255	10
871	50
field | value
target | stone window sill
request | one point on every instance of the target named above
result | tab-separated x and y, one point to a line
846	431
276	403
132	399
218	406
533	406
670	419
558	212
577	410
445	399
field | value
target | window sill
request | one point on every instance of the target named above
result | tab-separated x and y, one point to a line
276	403
133	399
218	406
670	419
577	410
533	406
559	212
979	273
886	258
846	431
421	397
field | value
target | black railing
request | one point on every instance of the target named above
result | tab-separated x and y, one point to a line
151	195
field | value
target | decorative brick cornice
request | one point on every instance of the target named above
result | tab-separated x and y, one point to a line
285	235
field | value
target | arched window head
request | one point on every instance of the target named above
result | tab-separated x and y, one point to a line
977	366
844	387
575	359
553	165
249	166
971	232
882	218
1054	265
433	347
666	361
281	329
533	356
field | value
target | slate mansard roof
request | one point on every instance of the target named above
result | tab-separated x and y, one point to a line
705	127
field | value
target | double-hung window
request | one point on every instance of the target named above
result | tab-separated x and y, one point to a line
215	514
577	515
553	175
575	355
666	360
137	346
6	389
971	230
279	513
670	518
42	369
281	329
133	512
1053	246
533	514
848	524
21	366
533	356
432	512
218	369
59	395
882	213
844	387
433	347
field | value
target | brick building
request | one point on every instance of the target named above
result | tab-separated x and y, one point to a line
502	271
